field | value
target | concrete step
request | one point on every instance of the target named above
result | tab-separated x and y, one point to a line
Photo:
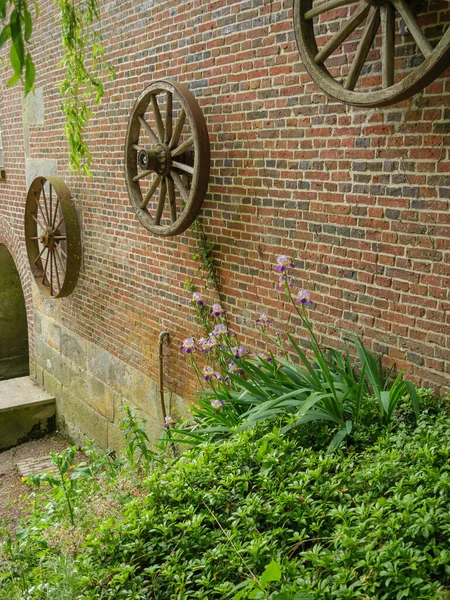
26	412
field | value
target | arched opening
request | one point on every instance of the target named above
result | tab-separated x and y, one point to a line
14	358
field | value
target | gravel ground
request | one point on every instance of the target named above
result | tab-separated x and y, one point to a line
14	494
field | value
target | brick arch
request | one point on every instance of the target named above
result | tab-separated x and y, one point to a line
18	252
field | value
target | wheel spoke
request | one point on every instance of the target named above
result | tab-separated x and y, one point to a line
51	272
180	185
161	202
183	167
141	175
55	214
45	268
40	254
169	108
60	260
137	147
148	129
326	6
411	22
172	201
62	251
150	192
60	237
43	227
387	50
178	129
51	203
59	223
183	147
56	271
38	204
342	34
45	202
365	44
158	118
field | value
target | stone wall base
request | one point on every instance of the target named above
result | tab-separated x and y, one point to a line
91	387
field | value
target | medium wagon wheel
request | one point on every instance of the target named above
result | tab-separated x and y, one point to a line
52	236
372	15
166	158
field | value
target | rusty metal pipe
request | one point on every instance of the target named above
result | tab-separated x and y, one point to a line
163	335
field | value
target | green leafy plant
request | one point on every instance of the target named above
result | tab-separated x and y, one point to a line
100	460
138	451
64	485
258	516
387	394
299	386
259	587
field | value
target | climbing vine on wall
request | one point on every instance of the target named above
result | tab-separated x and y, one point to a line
203	254
83	62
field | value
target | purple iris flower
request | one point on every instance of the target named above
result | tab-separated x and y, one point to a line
188	346
208	372
263	319
239	351
197	298
217	310
220	329
168	422
283	262
303	297
217	404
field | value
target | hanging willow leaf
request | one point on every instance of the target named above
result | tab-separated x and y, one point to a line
82	60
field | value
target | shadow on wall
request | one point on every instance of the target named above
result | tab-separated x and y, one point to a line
14	358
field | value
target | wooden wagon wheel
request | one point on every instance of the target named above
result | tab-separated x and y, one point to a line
166	158
391	86
52	236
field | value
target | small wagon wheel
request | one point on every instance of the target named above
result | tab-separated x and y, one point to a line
52	236
166	158
389	82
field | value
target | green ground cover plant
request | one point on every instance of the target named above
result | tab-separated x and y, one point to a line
260	515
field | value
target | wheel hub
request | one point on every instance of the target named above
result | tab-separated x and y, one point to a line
47	238
156	159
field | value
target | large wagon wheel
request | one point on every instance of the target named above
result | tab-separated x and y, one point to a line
166	158
396	18
52	236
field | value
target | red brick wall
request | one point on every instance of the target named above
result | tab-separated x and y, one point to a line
359	198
